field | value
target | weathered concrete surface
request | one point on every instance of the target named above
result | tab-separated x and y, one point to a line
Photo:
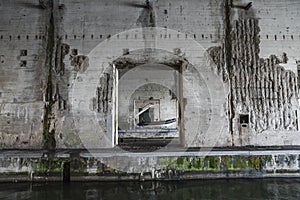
23	30
58	83
261	89
175	165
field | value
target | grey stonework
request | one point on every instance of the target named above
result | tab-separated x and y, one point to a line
236	83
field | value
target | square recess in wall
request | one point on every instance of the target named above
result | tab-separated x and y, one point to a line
23	63
244	120
23	52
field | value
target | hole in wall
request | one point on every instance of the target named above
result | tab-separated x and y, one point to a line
244	120
2	58
23	63
23	52
74	52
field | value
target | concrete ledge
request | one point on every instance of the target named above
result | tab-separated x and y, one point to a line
117	165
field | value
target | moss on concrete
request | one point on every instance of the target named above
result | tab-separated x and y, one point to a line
53	164
49	135
214	163
166	168
79	165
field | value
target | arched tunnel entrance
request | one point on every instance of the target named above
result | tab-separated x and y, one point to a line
148	104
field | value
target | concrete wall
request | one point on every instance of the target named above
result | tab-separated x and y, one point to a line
79	41
23	30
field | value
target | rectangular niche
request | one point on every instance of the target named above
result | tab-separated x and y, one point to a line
244	120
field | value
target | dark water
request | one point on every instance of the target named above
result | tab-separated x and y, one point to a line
208	189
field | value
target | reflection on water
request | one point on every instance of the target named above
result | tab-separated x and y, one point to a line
207	189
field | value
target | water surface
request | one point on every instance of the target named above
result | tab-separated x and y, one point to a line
206	189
